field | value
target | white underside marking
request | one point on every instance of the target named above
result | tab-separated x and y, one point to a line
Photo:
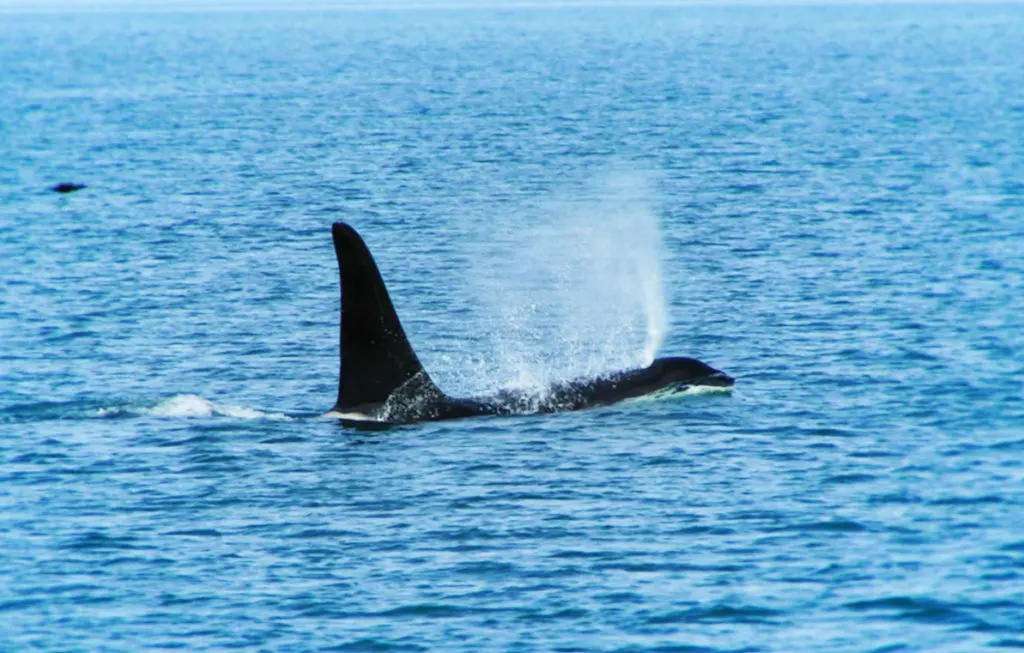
355	417
707	390
663	393
689	391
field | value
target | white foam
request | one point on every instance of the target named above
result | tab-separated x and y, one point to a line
116	411
182	406
187	405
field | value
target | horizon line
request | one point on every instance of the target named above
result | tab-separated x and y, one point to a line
244	6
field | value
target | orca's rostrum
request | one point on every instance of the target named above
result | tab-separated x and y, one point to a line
382	380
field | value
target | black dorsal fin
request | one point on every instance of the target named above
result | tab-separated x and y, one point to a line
376	357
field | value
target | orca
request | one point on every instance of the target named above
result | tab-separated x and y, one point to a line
382	380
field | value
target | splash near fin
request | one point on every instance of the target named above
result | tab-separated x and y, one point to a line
376	357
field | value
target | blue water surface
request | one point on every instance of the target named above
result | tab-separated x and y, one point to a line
836	197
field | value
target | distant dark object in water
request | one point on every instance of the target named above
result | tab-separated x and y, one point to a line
66	187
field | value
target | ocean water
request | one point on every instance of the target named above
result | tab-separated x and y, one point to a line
826	203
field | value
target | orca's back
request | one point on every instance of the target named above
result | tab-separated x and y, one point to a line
376	357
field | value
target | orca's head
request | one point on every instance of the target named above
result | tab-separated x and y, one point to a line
678	371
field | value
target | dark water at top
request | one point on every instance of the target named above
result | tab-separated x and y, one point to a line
839	199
